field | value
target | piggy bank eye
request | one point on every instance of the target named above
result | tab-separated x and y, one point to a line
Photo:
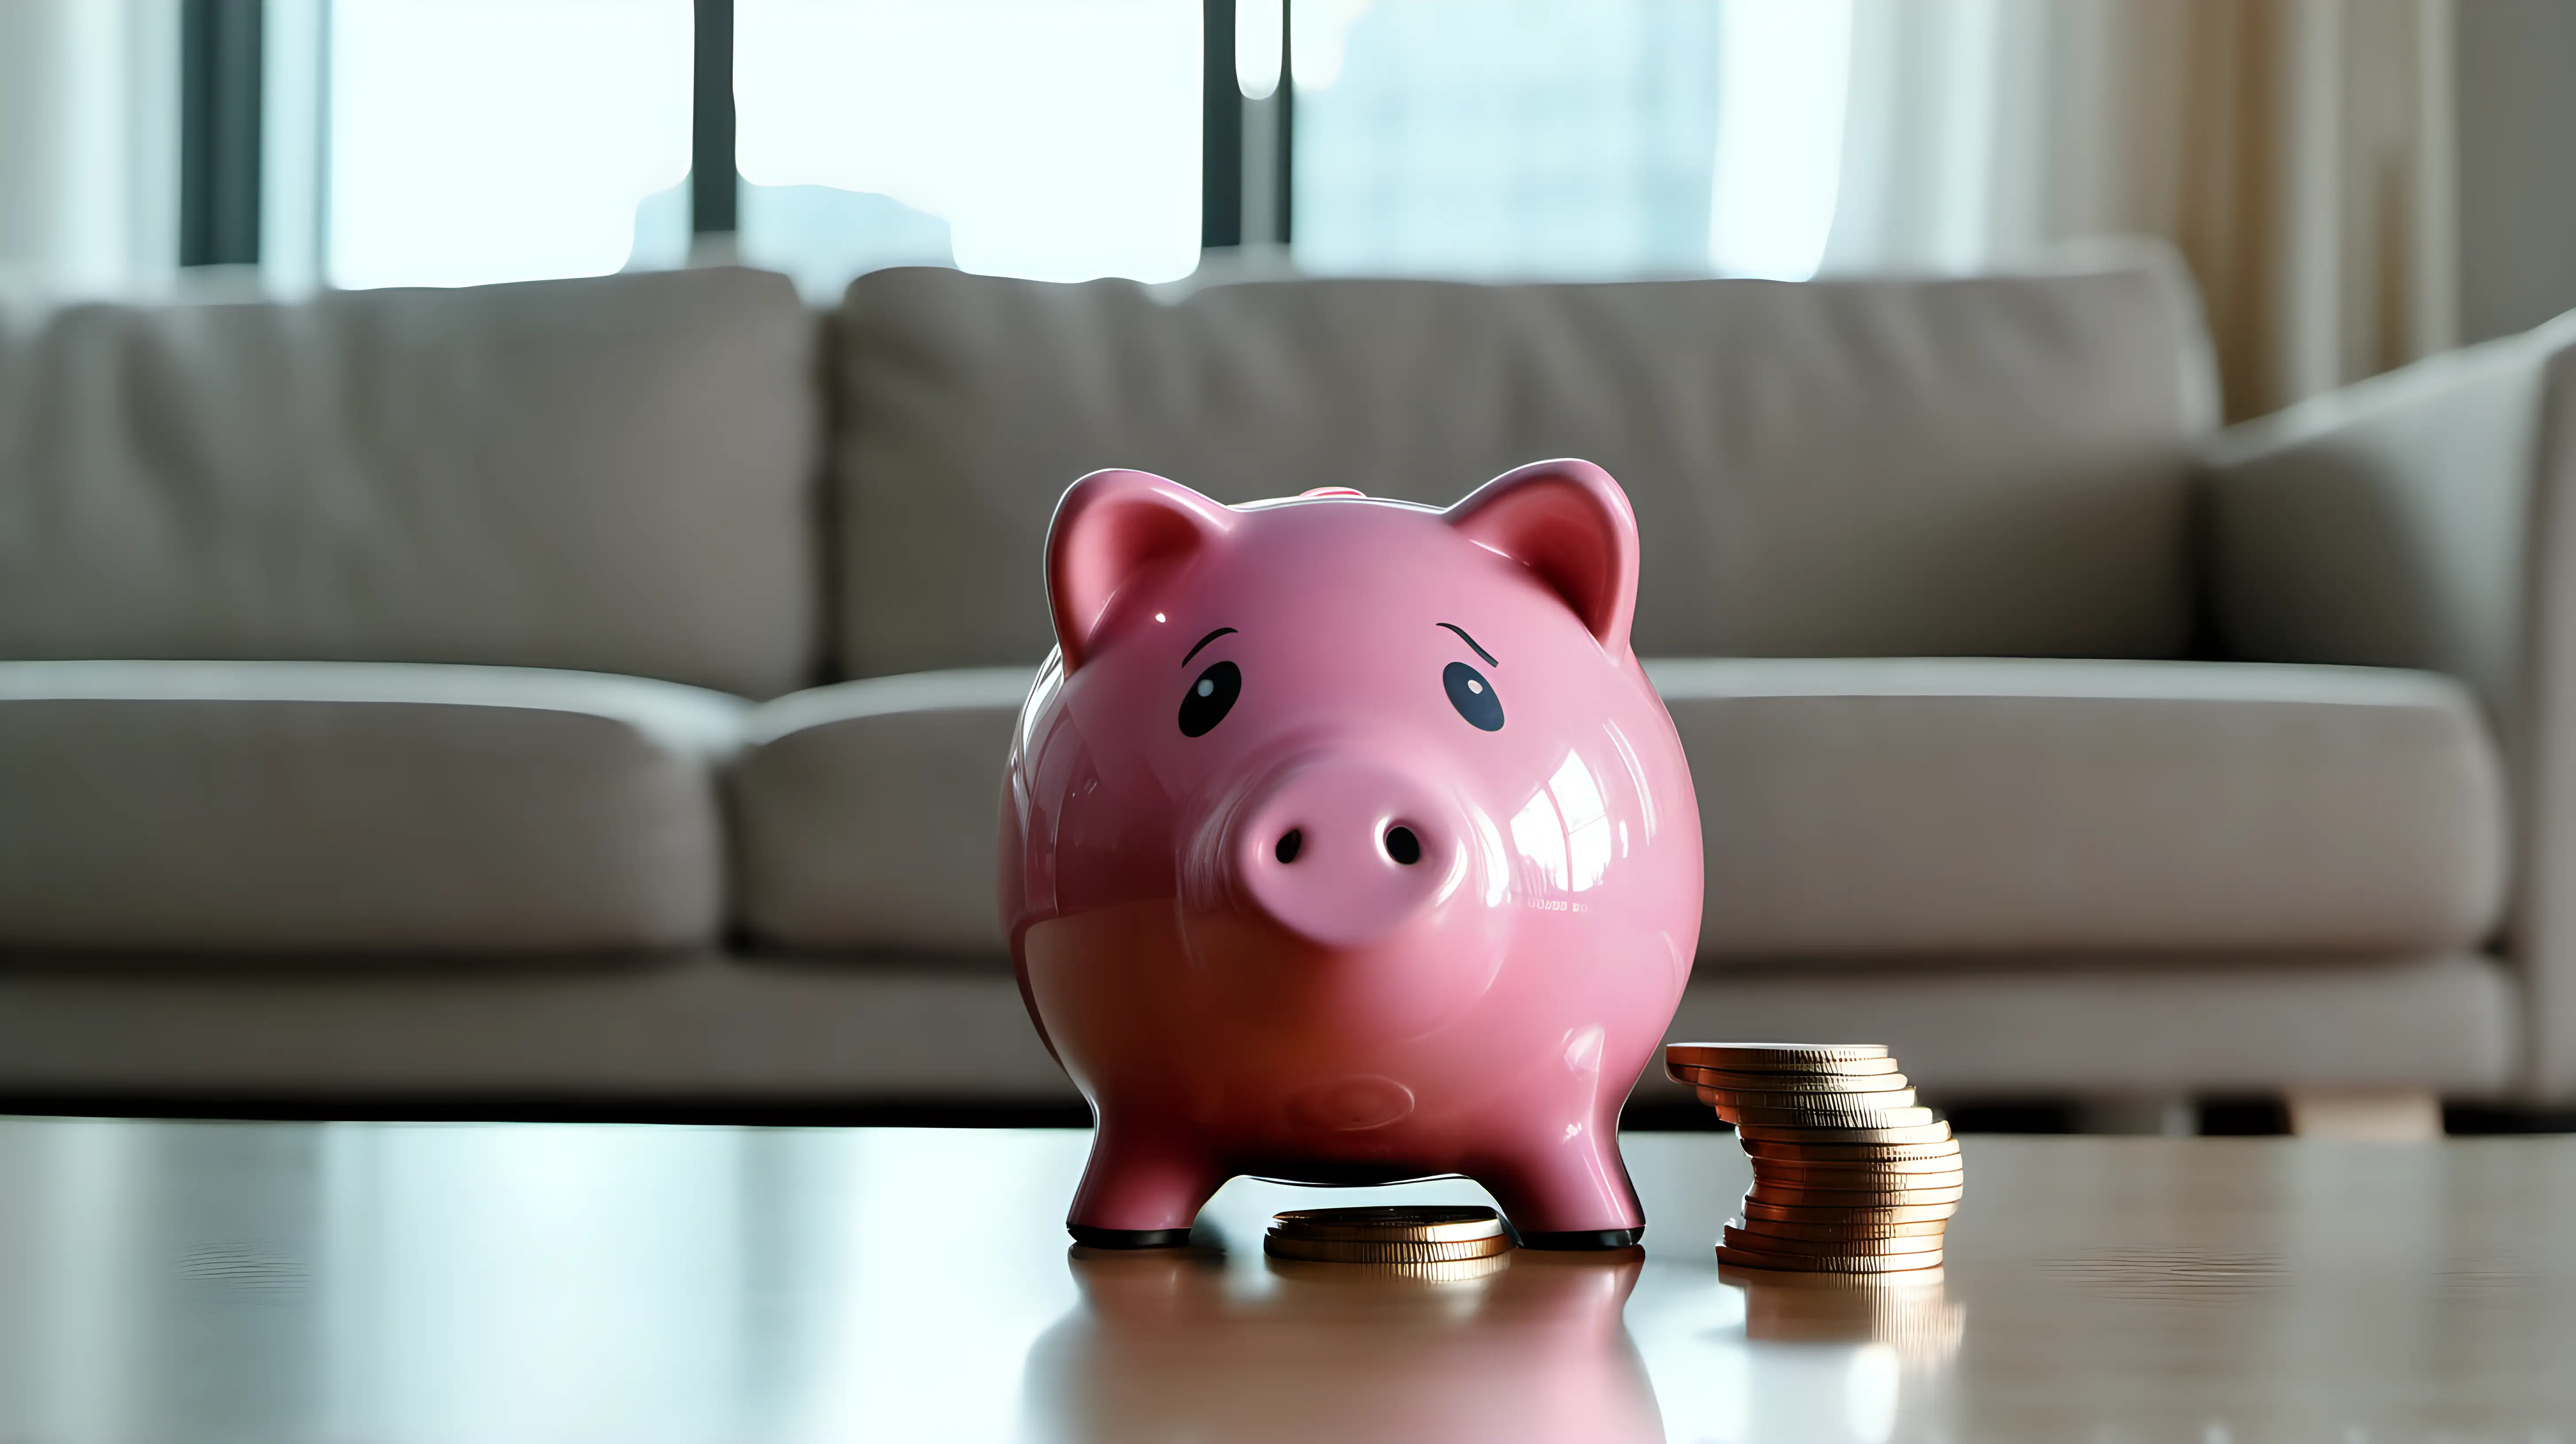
1473	696
1211	697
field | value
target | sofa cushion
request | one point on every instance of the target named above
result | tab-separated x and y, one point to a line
1885	807
1988	465
613	474
402	808
866	813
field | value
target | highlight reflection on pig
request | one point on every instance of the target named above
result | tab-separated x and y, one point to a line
1167	1346
1346	842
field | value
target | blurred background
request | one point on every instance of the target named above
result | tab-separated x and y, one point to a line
2354	182
421	692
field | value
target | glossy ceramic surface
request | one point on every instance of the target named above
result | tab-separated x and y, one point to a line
1346	841
405	1284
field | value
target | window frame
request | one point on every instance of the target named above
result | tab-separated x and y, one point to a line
222	71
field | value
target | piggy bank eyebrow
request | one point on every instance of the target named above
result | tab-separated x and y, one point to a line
1221	631
1470	641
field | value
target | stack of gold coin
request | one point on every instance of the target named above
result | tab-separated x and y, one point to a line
1849	1175
1387	1235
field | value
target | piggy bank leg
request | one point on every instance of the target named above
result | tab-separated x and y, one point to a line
1139	1191
1567	1193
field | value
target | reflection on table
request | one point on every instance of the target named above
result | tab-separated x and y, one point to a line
1175	1345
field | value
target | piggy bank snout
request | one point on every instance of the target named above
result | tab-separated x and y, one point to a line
1343	853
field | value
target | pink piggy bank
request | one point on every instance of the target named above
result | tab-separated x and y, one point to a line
1346	842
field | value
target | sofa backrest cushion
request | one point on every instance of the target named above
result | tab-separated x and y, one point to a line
613	475
1989	465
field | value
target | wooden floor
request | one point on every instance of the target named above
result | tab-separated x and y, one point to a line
420	1282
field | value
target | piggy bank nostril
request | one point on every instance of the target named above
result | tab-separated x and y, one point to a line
1403	846
1289	843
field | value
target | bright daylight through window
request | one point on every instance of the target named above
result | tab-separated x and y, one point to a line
467	141
1572	139
497	140
1057	139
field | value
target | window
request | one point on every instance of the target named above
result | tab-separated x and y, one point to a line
1057	139
1507	137
497	140
1577	139
450	142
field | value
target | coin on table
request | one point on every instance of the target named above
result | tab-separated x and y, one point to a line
1847	1068
1817	1102
1790	1195
1801	1263
1830	1100
1390	1224
1857	1183
1912	1133
1886	1247
1760	1152
1856	1202
1789	1082
1856	1168
1793	1168
1769	1056
1766	1282
1808	1213
1777	1228
1901	1187
1387	1251
1823	1117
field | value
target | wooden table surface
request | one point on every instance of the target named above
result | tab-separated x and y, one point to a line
172	1282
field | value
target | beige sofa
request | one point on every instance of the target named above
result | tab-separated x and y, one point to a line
596	690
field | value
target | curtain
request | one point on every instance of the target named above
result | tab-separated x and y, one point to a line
89	143
2298	153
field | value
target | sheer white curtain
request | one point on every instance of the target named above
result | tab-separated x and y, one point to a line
89	144
2299	153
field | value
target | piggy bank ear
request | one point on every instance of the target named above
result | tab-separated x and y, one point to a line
1569	523
1111	527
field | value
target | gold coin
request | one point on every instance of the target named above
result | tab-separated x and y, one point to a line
1789	1082
1759	1152
1811	1213
1906	1184
1793	1195
1844	1068
1768	1056
1818	1102
1823	1117
1880	1185
1781	1229
1390	1224
1801	1263
1886	1247
1911	1133
1860	1168
1387	1251
1764	1280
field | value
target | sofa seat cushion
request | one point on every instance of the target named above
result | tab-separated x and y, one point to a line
389	807
1885	807
866	813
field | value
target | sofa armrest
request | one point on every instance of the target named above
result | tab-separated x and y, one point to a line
2386	524
2427	519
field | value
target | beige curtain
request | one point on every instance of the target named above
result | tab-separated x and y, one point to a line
2299	153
